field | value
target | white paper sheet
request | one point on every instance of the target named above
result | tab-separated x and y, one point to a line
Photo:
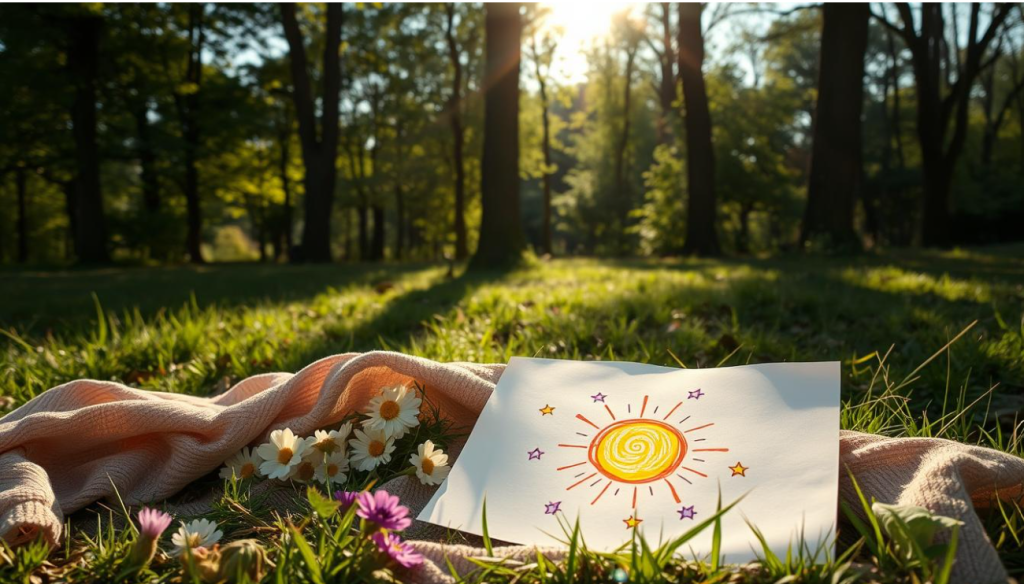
612	443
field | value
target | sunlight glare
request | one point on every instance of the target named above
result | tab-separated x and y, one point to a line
581	24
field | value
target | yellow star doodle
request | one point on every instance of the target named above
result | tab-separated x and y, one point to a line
547	410
632	522
739	469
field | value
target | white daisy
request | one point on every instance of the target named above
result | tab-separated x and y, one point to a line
333	469
284	451
393	412
431	464
199	533
370	449
324	443
244	464
304	471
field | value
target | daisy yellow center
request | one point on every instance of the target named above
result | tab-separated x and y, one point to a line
306	471
327	446
194	540
284	456
428	466
389	410
247	470
332	469
376	448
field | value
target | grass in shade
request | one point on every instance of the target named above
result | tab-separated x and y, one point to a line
932	344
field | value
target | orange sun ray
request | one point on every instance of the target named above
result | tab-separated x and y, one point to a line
571	446
585	479
580	416
644	407
670	412
571	465
609	411
675	495
710	450
694	471
634	497
698	428
601	493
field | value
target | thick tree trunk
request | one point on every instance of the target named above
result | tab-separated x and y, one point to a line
835	176
701	234
83	60
458	137
319	149
20	186
501	231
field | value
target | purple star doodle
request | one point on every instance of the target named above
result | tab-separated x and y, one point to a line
686	513
696	394
552	508
535	454
598	397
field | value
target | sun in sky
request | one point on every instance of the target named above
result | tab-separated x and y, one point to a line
578	26
639	452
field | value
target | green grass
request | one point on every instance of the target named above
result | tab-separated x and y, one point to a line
196	330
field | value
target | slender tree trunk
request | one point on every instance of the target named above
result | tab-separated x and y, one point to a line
743	238
835	176
458	137
319	149
83	61
147	160
364	231
622	190
286	185
701	234
188	105
667	83
399	221
545	240
20	186
501	232
377	244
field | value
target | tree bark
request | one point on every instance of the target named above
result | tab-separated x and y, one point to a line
701	235
545	236
377	244
501	232
454	108
90	231
187	105
319	153
399	221
835	175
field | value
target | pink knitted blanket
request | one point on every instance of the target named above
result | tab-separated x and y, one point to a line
62	450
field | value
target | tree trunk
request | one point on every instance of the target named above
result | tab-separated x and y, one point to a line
147	160
83	61
188	105
458	137
835	175
399	221
622	198
667	83
286	185
743	237
377	245
701	235
364	232
545	237
501	232
319	149
20	186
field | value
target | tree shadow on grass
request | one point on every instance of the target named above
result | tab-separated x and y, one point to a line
403	318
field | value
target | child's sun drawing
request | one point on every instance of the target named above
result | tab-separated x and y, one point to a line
637	453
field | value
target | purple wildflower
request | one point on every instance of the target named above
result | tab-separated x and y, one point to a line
346	498
384	510
152	523
396	549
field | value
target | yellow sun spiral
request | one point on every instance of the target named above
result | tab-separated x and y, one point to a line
637	451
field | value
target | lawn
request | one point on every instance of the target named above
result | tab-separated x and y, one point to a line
889	318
